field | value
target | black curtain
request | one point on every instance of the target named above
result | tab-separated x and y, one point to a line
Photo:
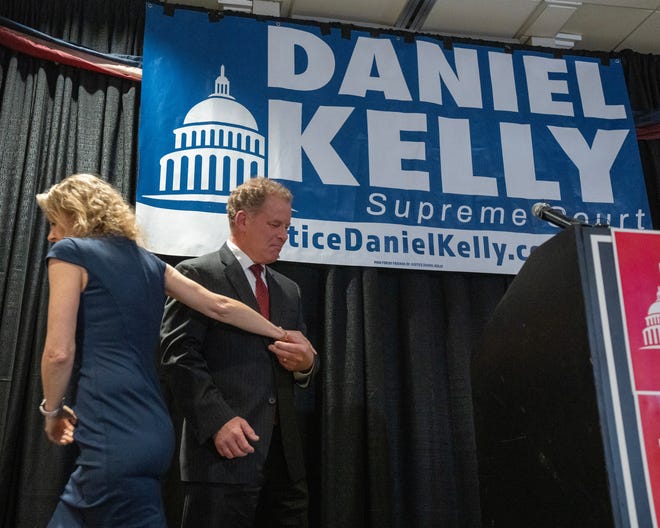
54	120
388	424
642	73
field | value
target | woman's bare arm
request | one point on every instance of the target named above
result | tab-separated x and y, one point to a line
66	281
220	307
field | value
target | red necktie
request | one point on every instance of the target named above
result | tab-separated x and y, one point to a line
261	291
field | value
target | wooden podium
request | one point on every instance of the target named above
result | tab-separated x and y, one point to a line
563	439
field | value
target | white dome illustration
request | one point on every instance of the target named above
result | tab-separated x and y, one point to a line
651	333
654	309
221	107
217	148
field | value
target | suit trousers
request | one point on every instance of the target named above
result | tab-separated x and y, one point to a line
275	502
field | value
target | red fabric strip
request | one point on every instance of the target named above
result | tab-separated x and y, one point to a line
648	132
39	48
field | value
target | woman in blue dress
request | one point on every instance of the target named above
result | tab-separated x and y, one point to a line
105	306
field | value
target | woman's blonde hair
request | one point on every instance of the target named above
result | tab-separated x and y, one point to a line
95	207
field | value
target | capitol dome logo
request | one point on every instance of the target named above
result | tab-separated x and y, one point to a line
651	332
217	148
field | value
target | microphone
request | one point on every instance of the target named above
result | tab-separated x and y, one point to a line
545	212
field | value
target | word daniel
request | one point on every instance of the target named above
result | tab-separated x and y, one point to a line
544	77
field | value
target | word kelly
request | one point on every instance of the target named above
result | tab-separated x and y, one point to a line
439	140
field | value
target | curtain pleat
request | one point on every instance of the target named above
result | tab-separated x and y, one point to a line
388	424
55	120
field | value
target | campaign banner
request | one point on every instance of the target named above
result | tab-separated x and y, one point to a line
401	150
637	257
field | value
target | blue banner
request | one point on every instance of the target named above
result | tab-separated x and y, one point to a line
400	152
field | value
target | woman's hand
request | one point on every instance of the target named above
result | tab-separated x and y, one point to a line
60	428
296	354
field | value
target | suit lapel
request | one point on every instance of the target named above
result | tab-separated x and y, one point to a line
236	277
275	295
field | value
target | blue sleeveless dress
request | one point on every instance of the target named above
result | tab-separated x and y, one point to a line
124	430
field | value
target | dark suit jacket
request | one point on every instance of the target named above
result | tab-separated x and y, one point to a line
217	372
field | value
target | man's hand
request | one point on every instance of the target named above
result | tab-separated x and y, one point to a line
60	428
233	439
296	354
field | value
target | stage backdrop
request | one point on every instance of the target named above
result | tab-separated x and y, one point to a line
400	152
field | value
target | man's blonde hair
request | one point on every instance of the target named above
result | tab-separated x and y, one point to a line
251	195
95	207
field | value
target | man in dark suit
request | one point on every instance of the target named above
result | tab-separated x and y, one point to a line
241	453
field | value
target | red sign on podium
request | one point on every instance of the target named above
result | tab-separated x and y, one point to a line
637	256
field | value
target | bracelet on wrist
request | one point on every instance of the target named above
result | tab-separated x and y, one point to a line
50	414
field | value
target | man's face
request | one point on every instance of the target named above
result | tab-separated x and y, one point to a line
261	235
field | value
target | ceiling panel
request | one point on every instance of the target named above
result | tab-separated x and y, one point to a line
640	4
373	12
646	38
604	25
479	18
603	28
